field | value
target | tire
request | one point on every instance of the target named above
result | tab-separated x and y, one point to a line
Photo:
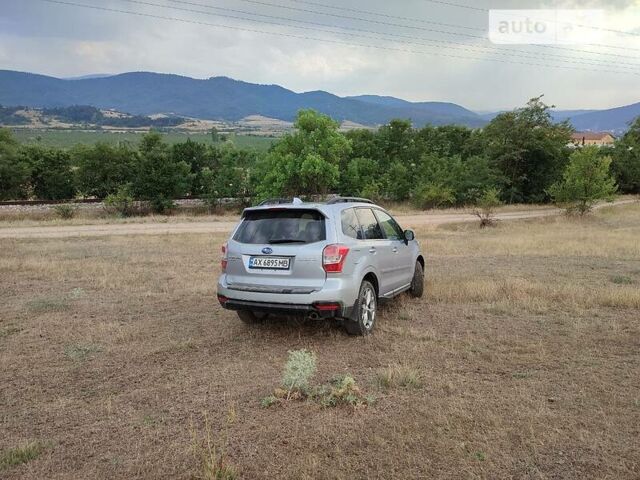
249	317
417	282
364	312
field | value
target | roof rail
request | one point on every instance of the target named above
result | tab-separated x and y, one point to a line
274	201
348	200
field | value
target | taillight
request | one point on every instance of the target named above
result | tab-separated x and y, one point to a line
333	257
223	260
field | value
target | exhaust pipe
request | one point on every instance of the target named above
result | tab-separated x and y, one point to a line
314	316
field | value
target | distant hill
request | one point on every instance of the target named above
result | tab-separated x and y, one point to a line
216	98
225	99
615	120
441	112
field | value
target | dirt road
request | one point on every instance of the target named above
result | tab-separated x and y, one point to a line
407	221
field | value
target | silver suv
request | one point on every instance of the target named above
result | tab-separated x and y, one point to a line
321	260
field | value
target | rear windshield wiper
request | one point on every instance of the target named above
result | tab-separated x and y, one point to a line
285	240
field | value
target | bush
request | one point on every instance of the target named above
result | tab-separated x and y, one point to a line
121	202
298	370
485	207
65	211
342	391
586	180
433	196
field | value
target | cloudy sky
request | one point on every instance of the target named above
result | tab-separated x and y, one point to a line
420	50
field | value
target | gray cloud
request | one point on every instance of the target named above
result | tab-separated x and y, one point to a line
66	41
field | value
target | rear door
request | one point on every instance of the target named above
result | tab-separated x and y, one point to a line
401	270
278	250
377	247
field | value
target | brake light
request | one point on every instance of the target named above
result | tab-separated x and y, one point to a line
223	260
333	257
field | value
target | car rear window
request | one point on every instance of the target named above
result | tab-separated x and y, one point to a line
281	226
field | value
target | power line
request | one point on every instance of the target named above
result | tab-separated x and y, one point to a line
593	27
378	14
324	40
484	10
438	43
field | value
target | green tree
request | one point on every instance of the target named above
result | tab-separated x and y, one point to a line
198	156
360	175
586	180
52	176
305	162
398	181
444	141
101	168
14	170
159	178
626	160
529	149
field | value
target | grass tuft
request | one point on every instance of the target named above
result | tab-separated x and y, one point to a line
622	280
396	376
211	452
81	352
44	305
19	455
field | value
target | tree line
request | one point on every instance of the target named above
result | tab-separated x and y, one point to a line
523	155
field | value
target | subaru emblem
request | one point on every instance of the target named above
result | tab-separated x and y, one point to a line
267	250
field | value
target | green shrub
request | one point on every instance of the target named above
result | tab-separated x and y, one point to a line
299	369
65	210
485	207
433	196
586	180
121	202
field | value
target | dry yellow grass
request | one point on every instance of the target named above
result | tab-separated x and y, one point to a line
115	354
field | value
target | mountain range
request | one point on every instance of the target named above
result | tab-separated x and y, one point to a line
223	98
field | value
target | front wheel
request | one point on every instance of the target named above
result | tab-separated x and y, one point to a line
365	311
417	282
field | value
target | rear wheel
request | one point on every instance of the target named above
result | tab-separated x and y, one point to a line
249	317
417	282
365	311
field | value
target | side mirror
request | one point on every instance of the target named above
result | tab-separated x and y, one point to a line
409	236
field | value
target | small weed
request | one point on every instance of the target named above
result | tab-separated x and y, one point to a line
622	280
267	402
19	455
150	420
480	456
80	352
77	293
211	453
42	305
10	330
342	391
398	376
65	211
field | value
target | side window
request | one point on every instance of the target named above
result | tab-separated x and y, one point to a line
389	226
369	223
350	224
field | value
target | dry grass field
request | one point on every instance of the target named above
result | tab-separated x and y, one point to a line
521	362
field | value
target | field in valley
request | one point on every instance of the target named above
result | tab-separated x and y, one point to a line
521	361
69	138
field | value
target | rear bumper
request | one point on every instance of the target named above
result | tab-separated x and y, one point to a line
339	292
321	309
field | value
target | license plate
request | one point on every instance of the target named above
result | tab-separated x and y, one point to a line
274	263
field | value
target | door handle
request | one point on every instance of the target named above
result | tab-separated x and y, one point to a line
395	250
372	250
